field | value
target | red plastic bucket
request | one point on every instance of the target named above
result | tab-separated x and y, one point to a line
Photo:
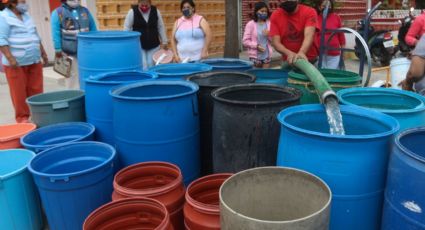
157	180
132	213
201	210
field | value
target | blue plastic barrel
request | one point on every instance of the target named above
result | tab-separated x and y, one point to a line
407	107
73	180
158	121
99	102
404	206
108	51
354	165
19	203
179	71
57	134
228	64
270	76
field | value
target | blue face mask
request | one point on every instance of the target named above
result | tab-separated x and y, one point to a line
22	8
262	16
187	12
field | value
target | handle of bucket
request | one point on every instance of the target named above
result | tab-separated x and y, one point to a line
195	108
59	178
60	105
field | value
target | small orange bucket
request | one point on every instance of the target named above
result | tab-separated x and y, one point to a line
10	135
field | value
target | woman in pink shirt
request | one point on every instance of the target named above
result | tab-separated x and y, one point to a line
416	30
332	58
256	37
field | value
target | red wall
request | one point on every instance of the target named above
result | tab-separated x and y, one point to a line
54	4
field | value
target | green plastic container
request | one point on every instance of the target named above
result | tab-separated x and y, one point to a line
337	79
57	107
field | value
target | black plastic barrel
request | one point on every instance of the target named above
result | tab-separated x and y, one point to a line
245	126
207	83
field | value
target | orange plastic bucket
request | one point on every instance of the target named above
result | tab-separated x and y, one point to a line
157	180
132	213
10	135
201	210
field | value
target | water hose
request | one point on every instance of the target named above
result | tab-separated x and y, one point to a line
322	87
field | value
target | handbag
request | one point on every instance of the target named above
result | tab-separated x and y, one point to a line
63	65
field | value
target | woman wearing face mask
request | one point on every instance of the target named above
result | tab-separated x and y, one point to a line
332	58
22	52
191	35
146	19
293	28
256	37
67	21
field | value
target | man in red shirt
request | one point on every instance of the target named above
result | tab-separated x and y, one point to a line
292	30
416	30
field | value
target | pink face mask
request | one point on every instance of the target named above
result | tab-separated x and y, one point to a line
144	8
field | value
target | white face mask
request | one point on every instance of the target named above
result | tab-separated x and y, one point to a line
22	8
73	3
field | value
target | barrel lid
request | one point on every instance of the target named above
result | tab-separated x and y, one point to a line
111	34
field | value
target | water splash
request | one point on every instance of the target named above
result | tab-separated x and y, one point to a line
334	116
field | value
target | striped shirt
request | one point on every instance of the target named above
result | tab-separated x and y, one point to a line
21	36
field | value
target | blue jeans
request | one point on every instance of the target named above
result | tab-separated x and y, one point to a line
147	58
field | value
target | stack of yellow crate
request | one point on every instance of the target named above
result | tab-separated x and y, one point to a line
111	15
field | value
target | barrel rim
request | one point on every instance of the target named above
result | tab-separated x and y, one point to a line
353	110
245	63
201	66
54	126
20	169
122	202
353	92
209	74
404	149
97	79
206	208
115	92
255	70
73	174
125	191
318	179
81	95
31	127
295	92
108	34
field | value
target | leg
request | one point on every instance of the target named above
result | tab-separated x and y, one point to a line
332	62
34	79
17	85
149	56
144	60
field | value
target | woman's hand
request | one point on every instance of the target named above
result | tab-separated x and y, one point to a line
260	48
45	59
406	85
12	62
204	54
266	32
177	59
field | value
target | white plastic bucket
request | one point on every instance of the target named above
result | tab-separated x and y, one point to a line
399	69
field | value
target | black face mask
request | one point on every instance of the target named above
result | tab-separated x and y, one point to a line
289	6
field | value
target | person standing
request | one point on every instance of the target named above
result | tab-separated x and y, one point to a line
146	19
332	58
415	78
417	29
67	21
256	37
191	35
293	28
22	52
